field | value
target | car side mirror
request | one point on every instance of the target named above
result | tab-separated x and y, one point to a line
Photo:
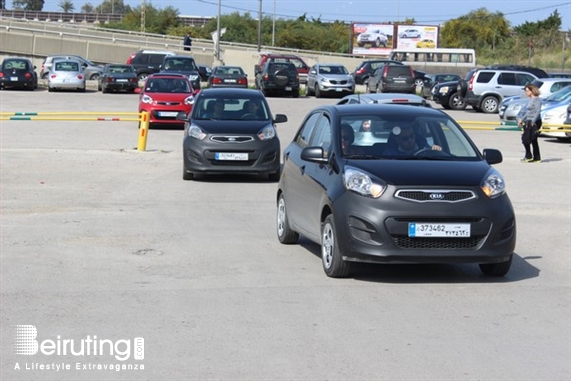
492	156
314	155
280	118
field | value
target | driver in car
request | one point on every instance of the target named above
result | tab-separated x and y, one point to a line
408	142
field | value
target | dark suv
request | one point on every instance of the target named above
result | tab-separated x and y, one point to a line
182	65
392	79
300	65
278	77
146	62
365	69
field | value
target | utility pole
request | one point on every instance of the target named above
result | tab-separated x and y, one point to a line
142	15
260	26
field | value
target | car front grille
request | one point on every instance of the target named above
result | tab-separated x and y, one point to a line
435	195
168	103
231	139
335	82
437	243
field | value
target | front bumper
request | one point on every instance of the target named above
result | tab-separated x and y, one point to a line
200	156
376	230
165	114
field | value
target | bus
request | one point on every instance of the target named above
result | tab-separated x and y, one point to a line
435	57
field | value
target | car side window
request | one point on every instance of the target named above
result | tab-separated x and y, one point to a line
524	79
507	79
322	135
485	76
306	131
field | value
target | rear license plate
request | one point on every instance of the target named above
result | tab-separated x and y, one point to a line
13	78
417	229
230	80
231	156
121	80
168	113
288	88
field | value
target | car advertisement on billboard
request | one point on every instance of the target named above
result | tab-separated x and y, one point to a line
417	36
372	39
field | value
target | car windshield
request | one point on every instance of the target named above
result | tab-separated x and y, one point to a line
399	136
234	108
560	95
120	69
67	66
332	70
167	85
15	64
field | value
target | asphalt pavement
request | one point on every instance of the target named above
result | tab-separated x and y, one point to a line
100	242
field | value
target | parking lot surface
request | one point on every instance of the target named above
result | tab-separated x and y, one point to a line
99	239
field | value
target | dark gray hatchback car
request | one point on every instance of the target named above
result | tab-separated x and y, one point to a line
412	188
231	131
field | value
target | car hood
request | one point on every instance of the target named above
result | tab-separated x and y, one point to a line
231	126
425	172
185	72
336	77
447	83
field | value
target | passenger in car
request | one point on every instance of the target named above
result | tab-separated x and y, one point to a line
347	139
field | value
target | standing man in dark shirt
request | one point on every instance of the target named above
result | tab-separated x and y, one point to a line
187	42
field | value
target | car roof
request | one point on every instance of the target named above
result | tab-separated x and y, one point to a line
170	56
389	98
230	92
364	109
168	75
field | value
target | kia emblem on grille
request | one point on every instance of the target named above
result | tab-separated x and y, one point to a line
436	196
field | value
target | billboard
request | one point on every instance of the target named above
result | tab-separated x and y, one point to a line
417	36
372	39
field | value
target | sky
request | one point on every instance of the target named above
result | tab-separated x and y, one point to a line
424	12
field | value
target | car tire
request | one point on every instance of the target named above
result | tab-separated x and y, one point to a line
490	105
418	82
456	102
285	234
317	91
377	42
308	91
94	77
331	256
462	87
142	76
281	77
496	269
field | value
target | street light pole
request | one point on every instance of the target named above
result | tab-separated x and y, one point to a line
218	32
274	26
260	27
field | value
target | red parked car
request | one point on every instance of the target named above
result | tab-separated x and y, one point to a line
165	95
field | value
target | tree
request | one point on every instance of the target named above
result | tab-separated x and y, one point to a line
87	8
66	6
28	5
113	6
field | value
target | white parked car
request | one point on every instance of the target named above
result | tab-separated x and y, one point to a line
331	78
373	37
556	116
66	74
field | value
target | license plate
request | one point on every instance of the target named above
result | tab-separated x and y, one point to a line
339	90
396	80
230	80
168	113
231	156
418	229
13	78
122	80
288	88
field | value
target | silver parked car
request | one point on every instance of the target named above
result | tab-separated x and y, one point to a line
66	74
329	79
92	71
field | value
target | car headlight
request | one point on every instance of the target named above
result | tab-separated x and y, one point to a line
360	182
189	100
443	90
494	185
147	99
196	132
267	133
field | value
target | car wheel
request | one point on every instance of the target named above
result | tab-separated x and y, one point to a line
377	42
418	82
94	77
490	105
142	76
456	102
331	257
496	269
317	91
309	90
285	234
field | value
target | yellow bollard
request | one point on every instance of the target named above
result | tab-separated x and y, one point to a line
143	131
